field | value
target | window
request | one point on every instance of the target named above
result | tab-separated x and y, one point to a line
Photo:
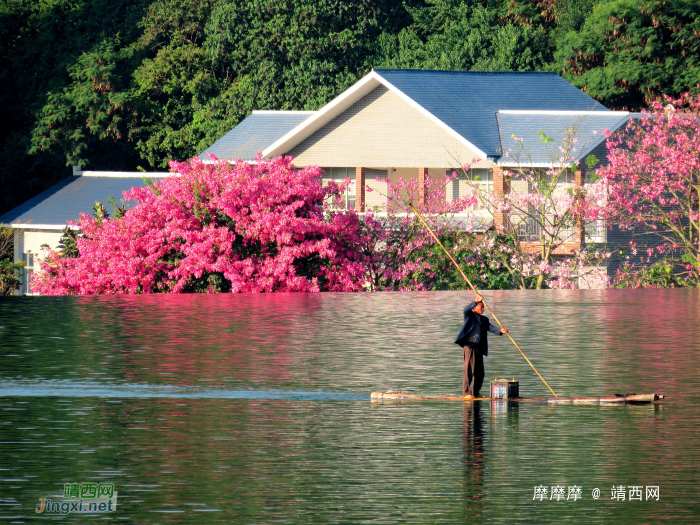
479	178
338	175
596	231
28	259
545	176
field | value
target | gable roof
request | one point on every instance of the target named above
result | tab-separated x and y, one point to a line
467	101
254	133
464	103
62	202
587	127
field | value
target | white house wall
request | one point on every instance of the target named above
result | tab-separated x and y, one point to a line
27	240
31	241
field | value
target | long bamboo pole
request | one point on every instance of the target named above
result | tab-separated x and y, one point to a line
475	291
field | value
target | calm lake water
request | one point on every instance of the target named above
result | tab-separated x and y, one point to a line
256	409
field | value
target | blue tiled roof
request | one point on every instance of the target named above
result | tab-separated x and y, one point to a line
467	101
588	130
64	201
255	133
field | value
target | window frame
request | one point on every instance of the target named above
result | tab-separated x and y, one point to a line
29	259
350	194
483	186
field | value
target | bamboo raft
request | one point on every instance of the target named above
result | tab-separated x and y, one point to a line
617	399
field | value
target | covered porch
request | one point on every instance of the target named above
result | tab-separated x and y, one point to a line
367	194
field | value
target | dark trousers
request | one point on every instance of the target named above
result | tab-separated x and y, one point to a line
473	367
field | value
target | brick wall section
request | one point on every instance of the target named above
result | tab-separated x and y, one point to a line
360	189
566	248
500	187
500	184
422	180
436	182
382	130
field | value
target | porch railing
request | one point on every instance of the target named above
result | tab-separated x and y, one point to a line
530	230
457	221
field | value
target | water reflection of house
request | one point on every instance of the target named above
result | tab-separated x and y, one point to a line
41	220
414	123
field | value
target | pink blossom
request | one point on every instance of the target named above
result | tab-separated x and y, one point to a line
653	179
240	227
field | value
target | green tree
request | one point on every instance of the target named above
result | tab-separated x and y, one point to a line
477	261
95	111
629	53
468	36
176	80
209	63
39	43
9	270
112	85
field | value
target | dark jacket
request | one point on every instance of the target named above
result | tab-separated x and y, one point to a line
475	329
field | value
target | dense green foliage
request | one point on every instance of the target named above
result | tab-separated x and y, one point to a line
661	274
480	264
123	84
10	271
631	52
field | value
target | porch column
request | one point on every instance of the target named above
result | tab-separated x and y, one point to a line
580	233
422	179
359	189
500	187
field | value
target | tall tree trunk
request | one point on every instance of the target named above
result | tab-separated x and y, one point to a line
546	254
540	281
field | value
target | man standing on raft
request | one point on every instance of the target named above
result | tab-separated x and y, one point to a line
473	338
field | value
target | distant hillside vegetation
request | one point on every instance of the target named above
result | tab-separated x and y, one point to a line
118	85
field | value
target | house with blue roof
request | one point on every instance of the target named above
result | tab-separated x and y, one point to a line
392	123
40	221
416	123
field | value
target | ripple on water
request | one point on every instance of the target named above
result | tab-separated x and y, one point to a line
255	408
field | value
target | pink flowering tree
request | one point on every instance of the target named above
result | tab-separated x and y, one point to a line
216	227
653	182
402	255
538	241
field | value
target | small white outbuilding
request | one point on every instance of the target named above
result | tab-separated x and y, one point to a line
39	222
